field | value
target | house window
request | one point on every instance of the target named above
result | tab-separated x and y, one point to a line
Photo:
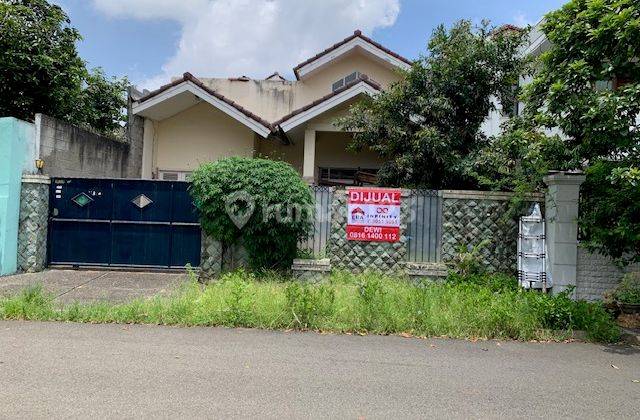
174	175
350	78
337	85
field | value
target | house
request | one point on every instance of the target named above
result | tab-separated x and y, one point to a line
194	119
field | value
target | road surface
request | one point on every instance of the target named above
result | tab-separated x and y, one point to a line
80	370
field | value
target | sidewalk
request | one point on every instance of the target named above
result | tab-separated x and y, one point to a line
94	285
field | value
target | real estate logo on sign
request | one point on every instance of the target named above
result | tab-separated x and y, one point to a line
373	214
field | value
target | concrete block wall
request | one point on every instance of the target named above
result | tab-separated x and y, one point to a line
597	274
70	151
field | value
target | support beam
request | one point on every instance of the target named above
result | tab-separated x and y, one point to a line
309	162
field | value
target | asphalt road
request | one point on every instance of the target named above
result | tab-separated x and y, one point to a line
79	370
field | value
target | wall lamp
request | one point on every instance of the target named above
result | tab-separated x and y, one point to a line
39	165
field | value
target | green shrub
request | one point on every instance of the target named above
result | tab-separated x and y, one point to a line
262	202
468	259
628	291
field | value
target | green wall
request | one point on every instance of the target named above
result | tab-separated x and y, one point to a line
15	138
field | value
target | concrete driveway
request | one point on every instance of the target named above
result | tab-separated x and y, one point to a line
93	285
66	370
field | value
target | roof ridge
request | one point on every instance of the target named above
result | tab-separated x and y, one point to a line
356	34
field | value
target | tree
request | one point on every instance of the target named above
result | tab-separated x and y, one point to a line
586	89
103	102
426	125
40	70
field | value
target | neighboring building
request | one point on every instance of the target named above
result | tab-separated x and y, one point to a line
195	120
535	45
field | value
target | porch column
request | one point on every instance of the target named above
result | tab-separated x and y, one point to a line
561	220
309	160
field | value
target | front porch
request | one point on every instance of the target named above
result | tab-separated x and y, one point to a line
327	159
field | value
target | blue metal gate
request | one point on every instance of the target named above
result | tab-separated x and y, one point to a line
122	223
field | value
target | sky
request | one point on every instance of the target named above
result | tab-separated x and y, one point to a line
149	41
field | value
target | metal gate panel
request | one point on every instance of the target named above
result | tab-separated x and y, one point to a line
120	222
79	242
424	226
316	243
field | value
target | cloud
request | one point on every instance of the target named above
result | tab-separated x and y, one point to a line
520	19
222	38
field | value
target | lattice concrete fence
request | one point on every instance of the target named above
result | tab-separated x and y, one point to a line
34	217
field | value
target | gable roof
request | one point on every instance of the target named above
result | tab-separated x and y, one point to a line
189	82
357	39
301	115
275	76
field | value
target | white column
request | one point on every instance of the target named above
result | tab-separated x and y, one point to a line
147	148
309	160
561	215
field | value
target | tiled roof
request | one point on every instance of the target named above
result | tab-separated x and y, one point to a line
505	28
188	77
275	74
292	114
356	34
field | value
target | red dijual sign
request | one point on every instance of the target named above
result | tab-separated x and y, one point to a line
373	214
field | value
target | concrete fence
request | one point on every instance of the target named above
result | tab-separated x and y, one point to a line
467	218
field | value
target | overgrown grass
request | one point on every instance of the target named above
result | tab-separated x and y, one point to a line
481	307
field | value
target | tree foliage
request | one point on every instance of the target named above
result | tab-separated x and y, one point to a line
582	112
426	125
262	202
41	71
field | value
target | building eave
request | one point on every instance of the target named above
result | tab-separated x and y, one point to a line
326	103
189	83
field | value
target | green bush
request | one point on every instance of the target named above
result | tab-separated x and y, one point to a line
468	259
261	202
628	291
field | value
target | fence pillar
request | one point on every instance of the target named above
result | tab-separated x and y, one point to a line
211	255
562	228
34	218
